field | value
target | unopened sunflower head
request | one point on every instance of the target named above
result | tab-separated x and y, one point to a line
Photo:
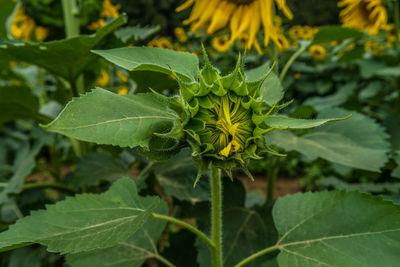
368	15
241	17
225	117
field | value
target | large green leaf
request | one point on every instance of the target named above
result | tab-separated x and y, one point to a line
7	7
107	118
273	89
153	59
17	102
337	229
358	142
85	222
177	177
66	58
128	253
327	34
294	123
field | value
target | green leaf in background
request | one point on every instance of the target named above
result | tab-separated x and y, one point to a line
66	58
353	54
101	166
85	222
244	233
153	59
357	142
135	33
17	102
103	117
337	229
27	257
273	89
294	123
390	187
178	175
334	100
392	124
23	166
131	252
396	171
7	8
328	34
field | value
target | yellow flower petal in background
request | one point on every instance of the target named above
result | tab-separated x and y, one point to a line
317	51
122	76
160	43
368	15
123	91
22	26
95	25
109	10
41	33
297	76
242	17
103	79
180	34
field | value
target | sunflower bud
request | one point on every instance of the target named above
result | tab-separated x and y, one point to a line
226	116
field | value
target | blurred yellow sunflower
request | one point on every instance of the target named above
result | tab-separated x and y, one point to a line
244	17
109	10
220	43
23	26
123	91
368	15
161	42
180	34
103	79
317	51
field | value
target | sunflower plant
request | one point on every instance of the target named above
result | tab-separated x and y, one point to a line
182	150
222	118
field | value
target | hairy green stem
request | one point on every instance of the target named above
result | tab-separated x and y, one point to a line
71	18
272	175
189	227
71	21
216	216
290	61
256	255
60	187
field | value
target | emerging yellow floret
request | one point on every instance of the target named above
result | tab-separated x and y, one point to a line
368	15
242	17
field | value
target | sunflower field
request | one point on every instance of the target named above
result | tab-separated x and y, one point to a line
202	133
